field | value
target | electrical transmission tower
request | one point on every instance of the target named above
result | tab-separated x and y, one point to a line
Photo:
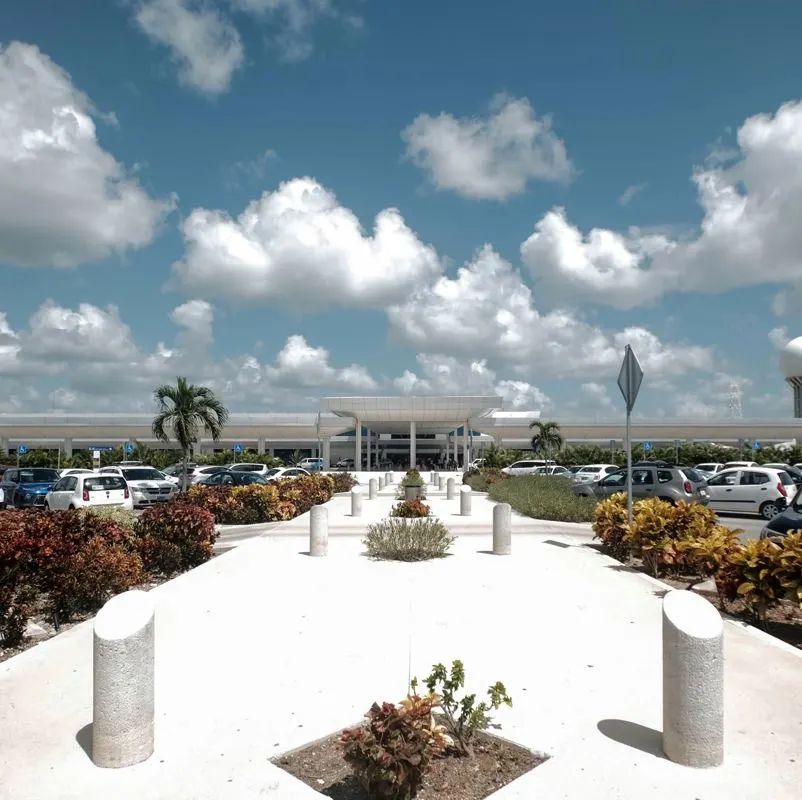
735	406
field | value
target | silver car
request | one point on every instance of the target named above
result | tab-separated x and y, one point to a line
666	483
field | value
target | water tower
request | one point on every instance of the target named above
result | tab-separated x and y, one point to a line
791	366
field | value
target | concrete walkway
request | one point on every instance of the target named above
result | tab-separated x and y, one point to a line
265	649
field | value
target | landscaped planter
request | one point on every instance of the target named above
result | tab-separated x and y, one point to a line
413	493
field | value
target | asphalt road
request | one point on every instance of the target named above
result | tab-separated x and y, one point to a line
750	525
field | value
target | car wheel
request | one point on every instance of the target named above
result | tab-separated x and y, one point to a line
667	500
71	507
769	510
47	506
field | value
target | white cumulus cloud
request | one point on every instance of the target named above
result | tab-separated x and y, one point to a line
488	310
203	43
297	245
491	157
749	234
64	200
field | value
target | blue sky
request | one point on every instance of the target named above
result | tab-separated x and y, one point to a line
476	126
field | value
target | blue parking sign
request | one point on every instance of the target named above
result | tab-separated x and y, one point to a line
237	448
22	449
647	447
756	445
129	448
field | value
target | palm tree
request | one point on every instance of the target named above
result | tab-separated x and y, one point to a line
185	409
548	437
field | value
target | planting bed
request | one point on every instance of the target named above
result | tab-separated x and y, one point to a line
497	762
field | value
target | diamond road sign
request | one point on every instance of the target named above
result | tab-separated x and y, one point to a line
630	378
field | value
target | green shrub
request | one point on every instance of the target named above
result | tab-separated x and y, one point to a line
342	482
409	509
610	525
175	537
543	497
397	539
121	516
412	478
464	716
480	480
391	753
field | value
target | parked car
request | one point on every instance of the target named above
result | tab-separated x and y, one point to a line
76	471
789	520
279	473
666	483
709	467
345	463
591	473
84	490
231	478
256	469
477	463
558	471
27	487
738	464
194	474
754	490
148	486
311	464
527	467
178	469
796	474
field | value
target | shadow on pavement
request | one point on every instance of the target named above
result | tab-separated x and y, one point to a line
84	738
639	737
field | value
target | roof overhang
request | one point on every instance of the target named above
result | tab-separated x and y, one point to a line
430	414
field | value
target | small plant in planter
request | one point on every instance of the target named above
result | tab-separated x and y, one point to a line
398	539
409	509
462	717
390	754
412	486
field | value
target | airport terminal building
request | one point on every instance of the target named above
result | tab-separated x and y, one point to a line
383	430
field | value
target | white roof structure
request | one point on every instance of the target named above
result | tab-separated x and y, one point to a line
430	414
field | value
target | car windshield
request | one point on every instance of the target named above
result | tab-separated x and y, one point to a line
38	475
588	470
272	472
104	483
785	478
247	467
249	477
706	467
142	474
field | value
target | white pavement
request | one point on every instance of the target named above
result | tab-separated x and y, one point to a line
265	649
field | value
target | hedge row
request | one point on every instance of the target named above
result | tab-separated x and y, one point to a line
686	540
282	500
63	563
541	497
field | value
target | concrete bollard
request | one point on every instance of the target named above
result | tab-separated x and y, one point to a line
693	680
388	478
356	501
123	692
435	478
373	488
319	531
451	491
465	500
381	482
441	483
502	529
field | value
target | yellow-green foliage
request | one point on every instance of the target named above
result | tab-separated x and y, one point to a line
610	525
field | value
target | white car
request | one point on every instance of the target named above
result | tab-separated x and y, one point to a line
77	471
526	467
750	490
196	473
739	464
148	486
560	472
709	468
84	490
256	469
591	473
279	473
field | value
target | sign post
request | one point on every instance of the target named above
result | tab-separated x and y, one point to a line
629	381
677	443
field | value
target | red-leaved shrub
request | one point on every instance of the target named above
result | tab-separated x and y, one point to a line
175	537
342	482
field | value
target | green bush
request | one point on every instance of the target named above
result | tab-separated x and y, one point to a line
543	497
174	538
397	539
611	526
480	480
412	478
122	516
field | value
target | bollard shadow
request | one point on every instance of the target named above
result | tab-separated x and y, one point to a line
84	739
555	543
639	737
486	552
304	553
